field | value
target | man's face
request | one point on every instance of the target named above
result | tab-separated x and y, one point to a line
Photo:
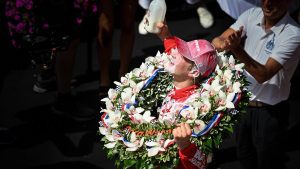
274	9
178	65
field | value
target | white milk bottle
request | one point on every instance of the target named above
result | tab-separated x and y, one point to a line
156	13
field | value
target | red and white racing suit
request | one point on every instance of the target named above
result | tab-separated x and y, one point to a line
174	104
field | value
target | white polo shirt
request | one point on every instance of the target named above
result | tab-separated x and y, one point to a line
281	42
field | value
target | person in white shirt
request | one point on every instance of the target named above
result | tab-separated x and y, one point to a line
267	40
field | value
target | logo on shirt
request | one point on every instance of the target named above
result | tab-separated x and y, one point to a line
270	44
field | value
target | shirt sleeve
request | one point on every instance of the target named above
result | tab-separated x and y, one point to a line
192	158
242	20
287	49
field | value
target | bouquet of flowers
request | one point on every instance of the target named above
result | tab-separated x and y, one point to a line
131	129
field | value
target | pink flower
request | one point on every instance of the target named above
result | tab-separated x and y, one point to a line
14	43
19	3
46	25
31	30
17	17
10	12
78	20
94	8
20	27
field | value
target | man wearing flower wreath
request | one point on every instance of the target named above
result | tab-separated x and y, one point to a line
190	63
172	111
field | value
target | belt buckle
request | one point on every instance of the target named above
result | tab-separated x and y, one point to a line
256	104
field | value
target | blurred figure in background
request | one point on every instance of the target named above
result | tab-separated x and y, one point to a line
51	29
206	19
105	39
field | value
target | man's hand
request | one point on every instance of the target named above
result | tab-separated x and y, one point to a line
219	43
234	40
182	134
229	40
164	30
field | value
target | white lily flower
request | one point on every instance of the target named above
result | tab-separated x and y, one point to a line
132	137
168	142
151	59
167	118
158	53
225	101
153	151
190	114
110	145
205	107
156	147
141	73
196	104
136	118
118	83
137	71
108	103
134	143
103	130
126	95
199	126
114	117
157	60
214	88
134	110
239	67
228	74
135	114
236	87
152	144
105	99
138	143
136	87
223	59
112	94
129	75
147	118
124	81
110	138
129	144
231	61
218	71
233	66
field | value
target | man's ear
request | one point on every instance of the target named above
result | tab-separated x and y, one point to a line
194	73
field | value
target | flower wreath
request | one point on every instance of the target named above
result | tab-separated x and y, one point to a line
130	126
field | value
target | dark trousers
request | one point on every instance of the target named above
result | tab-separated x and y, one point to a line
261	136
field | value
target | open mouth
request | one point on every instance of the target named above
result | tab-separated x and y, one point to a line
171	60
268	9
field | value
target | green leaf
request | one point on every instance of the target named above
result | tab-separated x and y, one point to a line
129	163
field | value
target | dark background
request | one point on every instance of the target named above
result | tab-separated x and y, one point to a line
44	140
